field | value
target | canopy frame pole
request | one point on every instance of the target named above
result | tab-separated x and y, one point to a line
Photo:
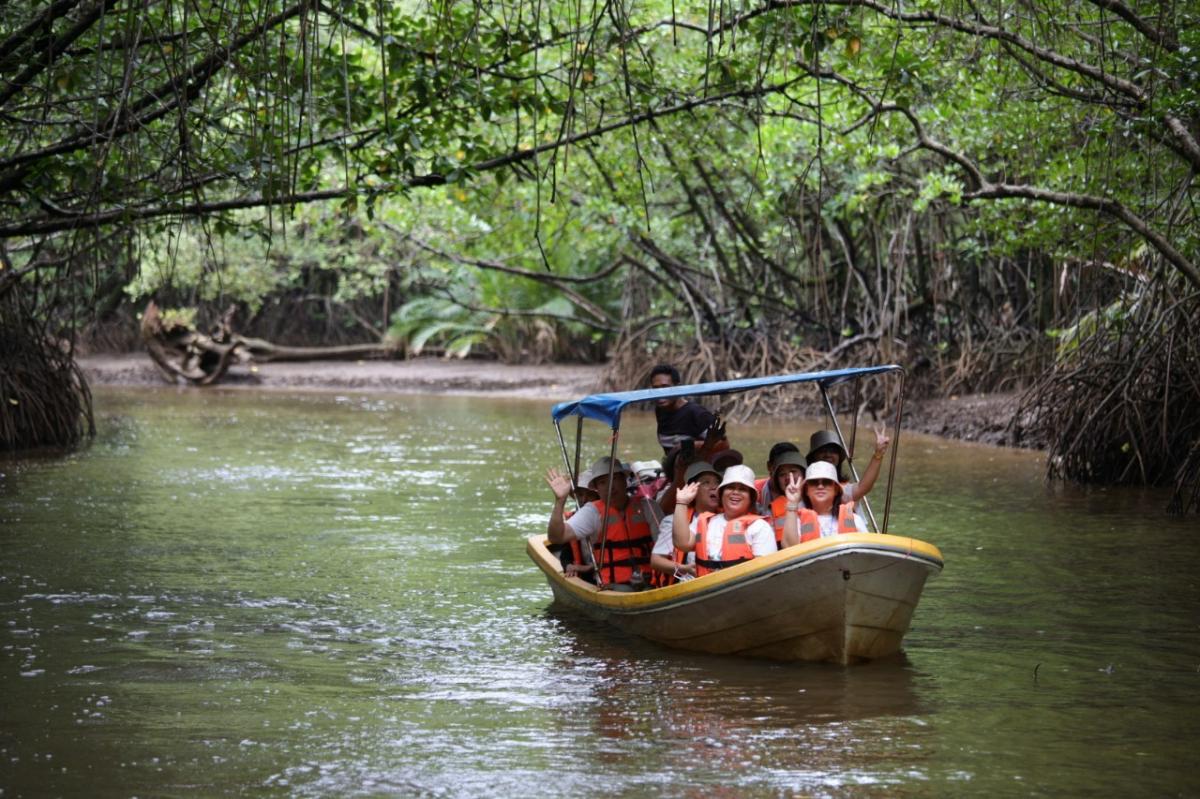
854	410
887	506
607	502
578	445
837	428
562	445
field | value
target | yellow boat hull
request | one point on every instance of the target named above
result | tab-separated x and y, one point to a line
844	599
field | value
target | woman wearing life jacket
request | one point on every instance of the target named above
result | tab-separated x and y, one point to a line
728	538
616	529
787	466
670	564
823	513
766	492
826	446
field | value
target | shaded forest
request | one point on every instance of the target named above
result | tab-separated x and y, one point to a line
998	198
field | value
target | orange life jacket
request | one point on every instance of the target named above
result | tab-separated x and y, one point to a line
807	523
846	523
845	519
627	543
735	548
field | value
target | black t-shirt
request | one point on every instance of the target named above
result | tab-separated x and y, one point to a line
691	421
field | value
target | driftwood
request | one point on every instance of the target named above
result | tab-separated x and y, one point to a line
182	352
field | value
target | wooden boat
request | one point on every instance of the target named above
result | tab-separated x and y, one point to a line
842	599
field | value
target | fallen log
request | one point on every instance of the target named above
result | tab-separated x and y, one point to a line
182	352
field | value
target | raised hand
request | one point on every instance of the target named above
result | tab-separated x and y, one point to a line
882	440
559	483
716	431
792	489
687	494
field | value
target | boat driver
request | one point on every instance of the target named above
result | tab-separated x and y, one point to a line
678	419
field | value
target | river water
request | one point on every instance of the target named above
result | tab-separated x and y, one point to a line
232	593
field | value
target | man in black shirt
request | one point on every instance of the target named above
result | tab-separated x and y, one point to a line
678	419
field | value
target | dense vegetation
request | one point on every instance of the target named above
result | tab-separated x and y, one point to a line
991	195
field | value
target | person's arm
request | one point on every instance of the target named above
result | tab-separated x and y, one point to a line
662	559
871	473
704	420
681	531
860	523
791	531
662	564
715	439
560	484
667	500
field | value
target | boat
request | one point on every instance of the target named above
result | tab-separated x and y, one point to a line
843	599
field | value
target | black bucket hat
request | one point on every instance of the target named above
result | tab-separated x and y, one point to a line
822	439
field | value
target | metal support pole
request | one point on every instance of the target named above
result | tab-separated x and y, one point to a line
853	472
887	506
562	445
612	466
854	411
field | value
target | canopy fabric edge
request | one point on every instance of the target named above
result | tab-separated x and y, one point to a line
607	407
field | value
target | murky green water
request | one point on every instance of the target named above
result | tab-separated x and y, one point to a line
247	594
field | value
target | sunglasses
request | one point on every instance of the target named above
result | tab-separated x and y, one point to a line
819	482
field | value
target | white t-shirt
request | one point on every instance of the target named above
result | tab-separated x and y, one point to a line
829	524
665	543
759	535
584	524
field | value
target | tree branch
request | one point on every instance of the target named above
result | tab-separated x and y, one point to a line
204	207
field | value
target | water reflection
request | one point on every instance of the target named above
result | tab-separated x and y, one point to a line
762	692
735	723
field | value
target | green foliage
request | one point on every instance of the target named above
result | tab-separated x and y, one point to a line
819	174
1109	322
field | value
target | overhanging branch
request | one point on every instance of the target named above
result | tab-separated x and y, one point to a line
207	207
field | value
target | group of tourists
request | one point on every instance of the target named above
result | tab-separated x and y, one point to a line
649	524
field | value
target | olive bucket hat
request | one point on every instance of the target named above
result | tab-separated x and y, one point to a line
698	468
786	459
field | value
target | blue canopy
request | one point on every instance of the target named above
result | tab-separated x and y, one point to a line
607	408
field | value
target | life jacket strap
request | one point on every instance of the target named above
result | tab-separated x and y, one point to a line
637	561
719	564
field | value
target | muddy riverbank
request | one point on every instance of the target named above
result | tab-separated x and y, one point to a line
982	418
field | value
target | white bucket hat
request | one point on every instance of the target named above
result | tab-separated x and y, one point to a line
646	468
584	479
741	475
822	470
